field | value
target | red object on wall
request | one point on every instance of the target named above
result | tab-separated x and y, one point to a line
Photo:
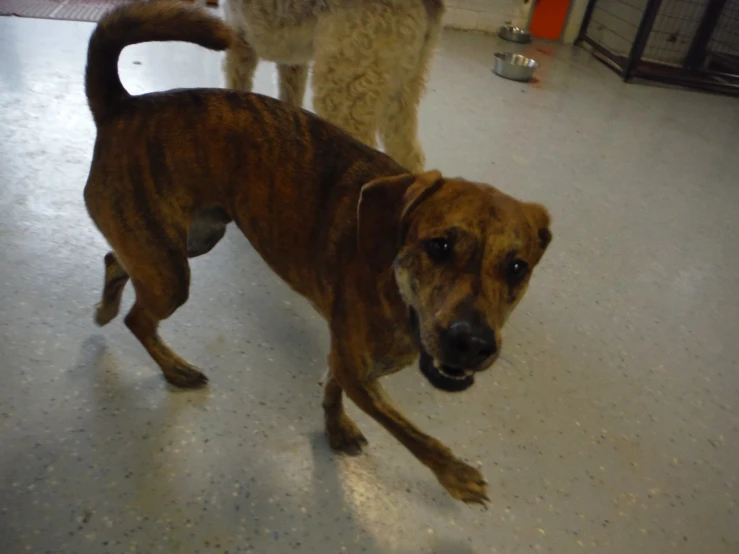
548	19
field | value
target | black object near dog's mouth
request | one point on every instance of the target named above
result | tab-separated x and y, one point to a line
442	377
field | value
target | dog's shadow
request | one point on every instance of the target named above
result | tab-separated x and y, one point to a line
140	430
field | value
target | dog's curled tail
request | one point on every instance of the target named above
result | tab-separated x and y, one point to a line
142	22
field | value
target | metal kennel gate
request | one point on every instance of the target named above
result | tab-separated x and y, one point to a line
693	43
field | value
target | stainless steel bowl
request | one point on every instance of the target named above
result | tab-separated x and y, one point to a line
514	66
514	34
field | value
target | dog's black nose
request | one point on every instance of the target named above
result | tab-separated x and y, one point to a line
468	345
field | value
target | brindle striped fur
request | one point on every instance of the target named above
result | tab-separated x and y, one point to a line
171	170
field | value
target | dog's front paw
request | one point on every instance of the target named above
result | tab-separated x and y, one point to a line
463	482
186	376
105	312
344	436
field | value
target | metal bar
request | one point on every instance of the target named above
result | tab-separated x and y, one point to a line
641	38
605	56
697	53
726	62
705	83
586	21
709	81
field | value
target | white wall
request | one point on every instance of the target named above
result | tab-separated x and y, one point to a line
574	21
489	15
485	15
613	24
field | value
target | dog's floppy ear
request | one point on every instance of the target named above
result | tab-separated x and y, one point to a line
540	218
384	205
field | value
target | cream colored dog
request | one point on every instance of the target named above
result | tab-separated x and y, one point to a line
371	60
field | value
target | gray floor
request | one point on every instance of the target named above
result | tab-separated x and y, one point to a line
611	427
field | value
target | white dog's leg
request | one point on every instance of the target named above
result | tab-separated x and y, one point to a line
240	64
293	79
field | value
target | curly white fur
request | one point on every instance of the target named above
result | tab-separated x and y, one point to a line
371	60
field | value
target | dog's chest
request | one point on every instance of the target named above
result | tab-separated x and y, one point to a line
394	351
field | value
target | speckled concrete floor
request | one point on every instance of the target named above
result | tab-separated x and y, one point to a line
611	426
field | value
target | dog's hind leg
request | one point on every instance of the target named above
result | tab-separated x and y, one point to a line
346	93
116	278
399	129
399	120
293	79
155	257
161	287
240	64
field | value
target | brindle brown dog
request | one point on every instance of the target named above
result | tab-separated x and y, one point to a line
398	264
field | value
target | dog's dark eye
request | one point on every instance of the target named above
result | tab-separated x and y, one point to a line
439	249
517	271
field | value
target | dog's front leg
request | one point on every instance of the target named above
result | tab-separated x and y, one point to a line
461	480
343	434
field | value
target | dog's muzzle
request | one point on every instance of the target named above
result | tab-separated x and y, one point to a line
466	348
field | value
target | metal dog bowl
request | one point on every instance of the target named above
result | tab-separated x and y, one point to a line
514	34
514	66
